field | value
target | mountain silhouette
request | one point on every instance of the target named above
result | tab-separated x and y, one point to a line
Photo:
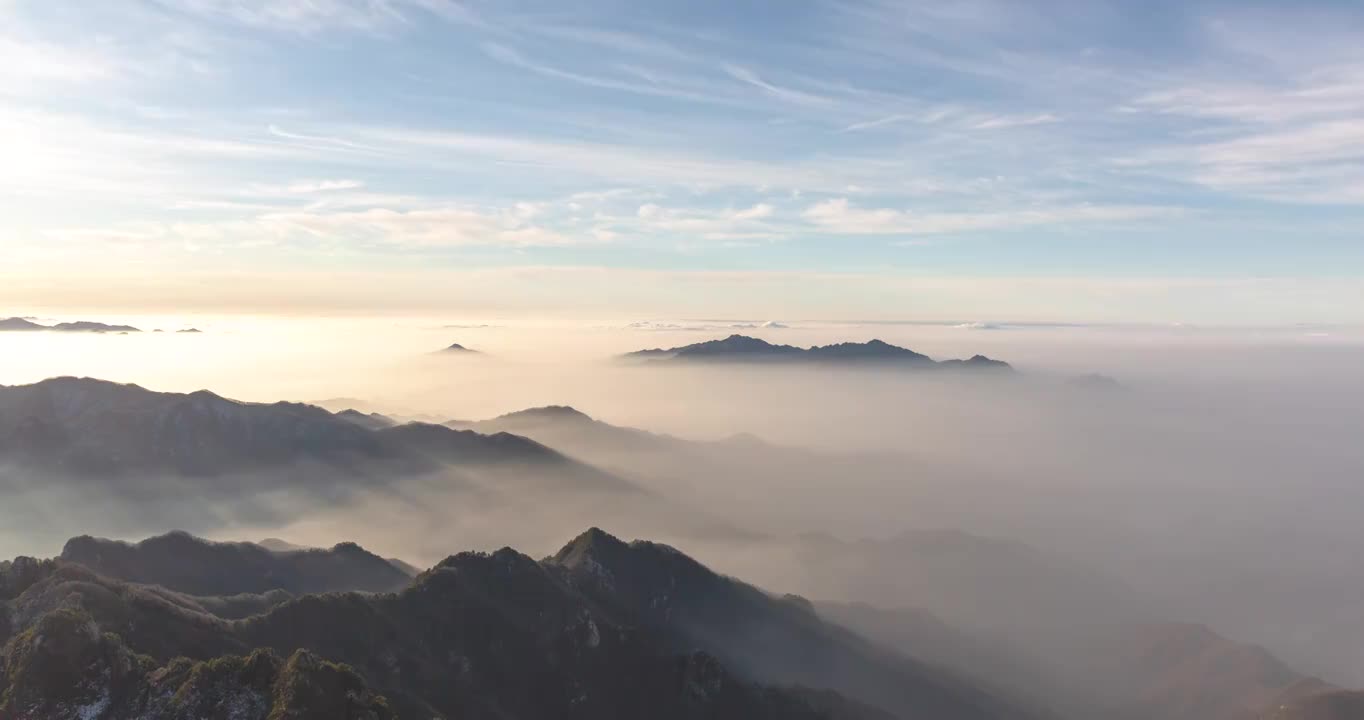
184	563
777	639
17	324
478	636
742	348
92	427
22	324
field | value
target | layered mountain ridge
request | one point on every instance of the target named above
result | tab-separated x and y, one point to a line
95	427
181	562
602	629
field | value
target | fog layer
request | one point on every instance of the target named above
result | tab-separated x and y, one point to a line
1216	483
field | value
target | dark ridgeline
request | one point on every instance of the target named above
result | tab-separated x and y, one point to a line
745	349
96	327
603	629
781	639
161	459
181	562
368	421
81	427
87	426
572	430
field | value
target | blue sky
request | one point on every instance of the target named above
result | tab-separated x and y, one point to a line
613	146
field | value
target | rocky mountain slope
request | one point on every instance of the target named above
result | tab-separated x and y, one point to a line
603	629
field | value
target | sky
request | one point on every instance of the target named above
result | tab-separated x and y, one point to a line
1103	161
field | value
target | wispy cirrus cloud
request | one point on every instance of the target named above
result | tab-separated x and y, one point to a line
998	122
424	228
543	130
1276	119
837	215
300	16
510	56
367	231
786	94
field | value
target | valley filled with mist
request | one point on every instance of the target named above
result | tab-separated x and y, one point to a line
1149	522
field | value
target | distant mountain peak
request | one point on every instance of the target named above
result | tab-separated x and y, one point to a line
745	343
18	323
96	327
871	350
547	412
648	565
457	348
210	396
584	549
89	382
505	560
978	362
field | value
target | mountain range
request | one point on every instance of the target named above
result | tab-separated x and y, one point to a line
742	348
18	324
963	626
93	427
123	458
602	629
183	563
112	630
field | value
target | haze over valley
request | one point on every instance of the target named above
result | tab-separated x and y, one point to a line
956	516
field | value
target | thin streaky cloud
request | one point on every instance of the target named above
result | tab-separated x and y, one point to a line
879	122
1011	121
510	56
320	141
782	93
615	40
